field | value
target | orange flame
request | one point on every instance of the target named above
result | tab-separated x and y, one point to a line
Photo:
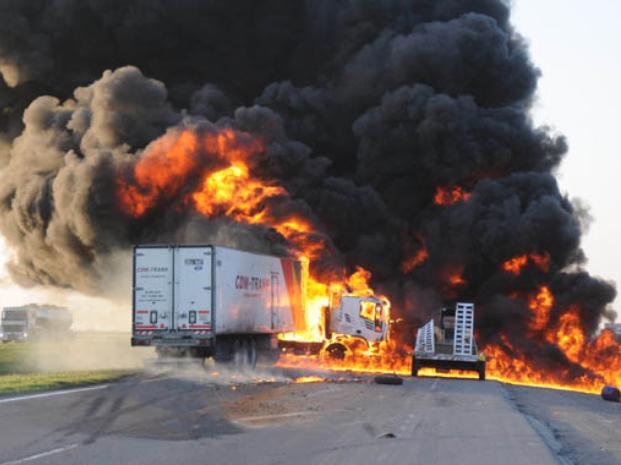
358	282
516	265
541	304
415	260
596	361
226	187
447	196
457	279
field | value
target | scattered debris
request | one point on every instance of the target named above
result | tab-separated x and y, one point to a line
389	379
611	393
388	436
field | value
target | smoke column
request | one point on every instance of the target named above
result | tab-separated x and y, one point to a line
399	130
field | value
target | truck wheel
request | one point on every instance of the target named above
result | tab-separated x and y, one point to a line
336	351
481	371
251	354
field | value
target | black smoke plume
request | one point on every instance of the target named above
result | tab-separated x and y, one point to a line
366	107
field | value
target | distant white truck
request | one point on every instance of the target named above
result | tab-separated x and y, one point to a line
21	324
451	345
212	301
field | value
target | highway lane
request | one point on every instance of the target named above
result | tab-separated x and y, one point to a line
580	428
164	420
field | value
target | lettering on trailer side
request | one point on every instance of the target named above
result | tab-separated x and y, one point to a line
251	283
152	269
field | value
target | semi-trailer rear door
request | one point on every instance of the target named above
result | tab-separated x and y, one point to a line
193	302
153	279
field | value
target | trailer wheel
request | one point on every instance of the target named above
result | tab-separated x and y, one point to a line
223	352
239	353
251	354
481	370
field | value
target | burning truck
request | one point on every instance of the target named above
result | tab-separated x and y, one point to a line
237	306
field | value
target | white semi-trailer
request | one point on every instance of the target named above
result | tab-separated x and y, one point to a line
211	301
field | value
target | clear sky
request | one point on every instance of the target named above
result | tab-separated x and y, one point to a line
577	46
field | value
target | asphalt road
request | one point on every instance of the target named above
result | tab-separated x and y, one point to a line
177	420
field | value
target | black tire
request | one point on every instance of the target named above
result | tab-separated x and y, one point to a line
336	351
239	353
481	370
223	352
611	393
415	368
391	380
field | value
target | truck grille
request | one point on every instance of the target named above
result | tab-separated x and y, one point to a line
8	328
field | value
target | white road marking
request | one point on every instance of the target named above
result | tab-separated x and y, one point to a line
73	391
269	417
143	381
41	455
53	393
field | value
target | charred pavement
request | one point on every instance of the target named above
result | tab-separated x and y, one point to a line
162	419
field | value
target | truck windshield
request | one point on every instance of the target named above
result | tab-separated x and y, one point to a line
379	317
14	315
367	310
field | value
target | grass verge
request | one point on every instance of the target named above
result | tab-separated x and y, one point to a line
30	382
80	360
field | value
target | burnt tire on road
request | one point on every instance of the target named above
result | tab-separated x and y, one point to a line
389	379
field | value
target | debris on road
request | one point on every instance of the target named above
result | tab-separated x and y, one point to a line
611	393
389	379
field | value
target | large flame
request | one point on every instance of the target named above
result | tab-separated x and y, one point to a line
212	172
594	362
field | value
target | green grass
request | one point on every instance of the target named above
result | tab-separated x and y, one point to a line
19	383
20	372
12	358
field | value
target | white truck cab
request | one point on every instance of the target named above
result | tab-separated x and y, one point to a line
355	322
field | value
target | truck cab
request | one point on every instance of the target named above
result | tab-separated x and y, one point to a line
14	324
355	323
24	323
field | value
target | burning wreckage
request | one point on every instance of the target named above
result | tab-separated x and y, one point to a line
388	144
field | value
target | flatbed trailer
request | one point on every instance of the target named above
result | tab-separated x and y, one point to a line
451	346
